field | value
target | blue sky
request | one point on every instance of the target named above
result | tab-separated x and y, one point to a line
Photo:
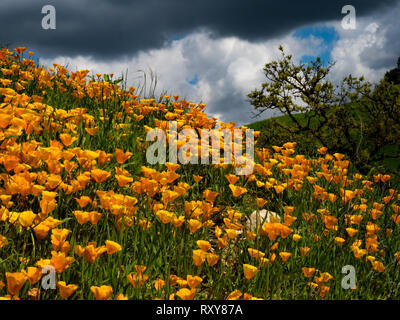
328	35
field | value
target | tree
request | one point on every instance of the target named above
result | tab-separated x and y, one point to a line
394	74
348	118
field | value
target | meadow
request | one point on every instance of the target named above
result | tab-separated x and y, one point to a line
78	195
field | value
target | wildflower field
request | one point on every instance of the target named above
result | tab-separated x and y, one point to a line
77	194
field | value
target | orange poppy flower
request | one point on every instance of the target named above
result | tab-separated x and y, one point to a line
91	253
186	294
249	271
285	256
137	280
60	262
165	216
112	247
81	216
123	180
33	274
121	157
197	178
308	272
92	131
304	251
237	191
330	221
194	225
234	295
204	245
15	281
261	202
100	175
58	240
212	259
67	139
158	284
255	253
193	281
101	293
66	290
83	201
199	257
232	179
210	195
172	166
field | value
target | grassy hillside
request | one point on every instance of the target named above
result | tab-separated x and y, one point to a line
79	197
390	163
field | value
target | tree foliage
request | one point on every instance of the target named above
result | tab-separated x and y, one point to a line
353	117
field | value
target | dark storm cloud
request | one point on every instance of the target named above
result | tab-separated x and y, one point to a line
107	29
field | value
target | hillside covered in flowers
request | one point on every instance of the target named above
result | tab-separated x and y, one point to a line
79	199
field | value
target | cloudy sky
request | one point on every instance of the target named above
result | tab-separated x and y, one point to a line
209	51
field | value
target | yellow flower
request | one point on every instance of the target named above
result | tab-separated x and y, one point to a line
212	259
210	195
234	295
15	281
33	274
308	272
137	279
3	241
90	252
158	284
67	140
204	245
255	253
26	218
66	290
193	281
249	271
121	297
232	179
101	293
81	216
196	178
339	240
58	240
194	225
296	237
112	247
186	294
60	262
121	157
261	202
232	233
237	191
100	175
285	256
378	266
199	257
165	216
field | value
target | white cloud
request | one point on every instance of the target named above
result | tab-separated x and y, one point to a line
371	49
228	69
